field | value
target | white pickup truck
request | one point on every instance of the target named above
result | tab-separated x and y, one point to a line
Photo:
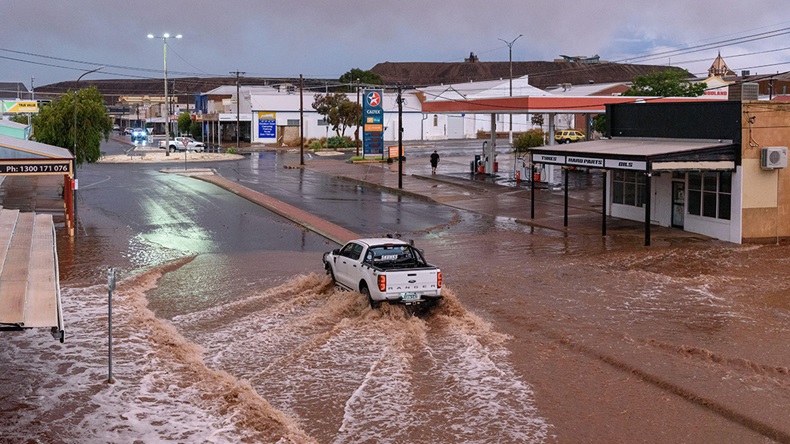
385	270
183	144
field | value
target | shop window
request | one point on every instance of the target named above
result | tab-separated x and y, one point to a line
710	194
628	188
435	120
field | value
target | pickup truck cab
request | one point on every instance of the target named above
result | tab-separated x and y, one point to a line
183	144
384	270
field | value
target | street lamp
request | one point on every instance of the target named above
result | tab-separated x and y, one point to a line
510	50
164	38
74	151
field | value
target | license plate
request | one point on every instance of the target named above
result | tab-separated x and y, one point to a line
409	296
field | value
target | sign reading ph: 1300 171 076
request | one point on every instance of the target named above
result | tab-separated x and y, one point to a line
36	167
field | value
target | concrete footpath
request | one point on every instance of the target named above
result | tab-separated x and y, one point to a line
476	193
481	194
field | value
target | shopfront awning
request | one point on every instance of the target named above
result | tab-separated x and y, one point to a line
29	282
643	154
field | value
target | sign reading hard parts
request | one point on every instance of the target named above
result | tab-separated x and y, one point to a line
591	162
373	118
267	125
20	106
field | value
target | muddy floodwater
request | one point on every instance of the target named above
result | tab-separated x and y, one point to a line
541	337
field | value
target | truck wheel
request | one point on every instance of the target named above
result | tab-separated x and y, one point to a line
366	292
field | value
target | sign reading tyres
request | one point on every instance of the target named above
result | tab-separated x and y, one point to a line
372	122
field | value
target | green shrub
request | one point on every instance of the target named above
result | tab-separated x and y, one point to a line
315	145
527	140
339	142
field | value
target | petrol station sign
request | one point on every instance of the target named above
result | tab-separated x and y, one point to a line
373	121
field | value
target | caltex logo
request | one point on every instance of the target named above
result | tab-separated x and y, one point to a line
374	99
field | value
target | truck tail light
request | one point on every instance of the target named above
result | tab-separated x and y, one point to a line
439	280
382	282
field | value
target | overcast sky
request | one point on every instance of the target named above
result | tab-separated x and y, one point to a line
59	40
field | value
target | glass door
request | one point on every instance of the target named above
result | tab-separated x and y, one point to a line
678	203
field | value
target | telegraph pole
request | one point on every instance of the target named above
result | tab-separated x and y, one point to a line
301	119
400	138
238	100
356	136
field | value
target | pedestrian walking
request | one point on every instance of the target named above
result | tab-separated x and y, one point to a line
434	161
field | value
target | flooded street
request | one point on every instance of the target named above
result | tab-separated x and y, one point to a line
226	329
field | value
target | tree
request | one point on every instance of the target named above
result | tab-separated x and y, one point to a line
20	118
599	124
184	123
667	83
196	130
365	78
338	111
54	124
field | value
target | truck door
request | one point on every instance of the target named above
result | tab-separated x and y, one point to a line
347	265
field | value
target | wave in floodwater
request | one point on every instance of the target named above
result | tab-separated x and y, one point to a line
347	373
163	391
301	362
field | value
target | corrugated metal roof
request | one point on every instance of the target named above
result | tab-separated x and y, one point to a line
633	147
35	149
29	282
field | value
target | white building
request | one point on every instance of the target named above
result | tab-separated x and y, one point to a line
276	116
466	126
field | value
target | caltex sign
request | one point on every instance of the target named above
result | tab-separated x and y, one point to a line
372	122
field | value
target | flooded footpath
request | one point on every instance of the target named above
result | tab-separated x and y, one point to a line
541	337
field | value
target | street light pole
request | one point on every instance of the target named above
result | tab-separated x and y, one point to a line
510	51
164	38
74	151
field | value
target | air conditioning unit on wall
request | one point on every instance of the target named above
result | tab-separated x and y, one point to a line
773	157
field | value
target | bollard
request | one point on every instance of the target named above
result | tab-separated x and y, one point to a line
110	288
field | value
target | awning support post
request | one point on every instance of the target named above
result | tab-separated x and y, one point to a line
532	190
565	216
647	209
604	206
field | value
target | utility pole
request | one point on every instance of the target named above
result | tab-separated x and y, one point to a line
400	139
238	100
510	50
356	136
301	120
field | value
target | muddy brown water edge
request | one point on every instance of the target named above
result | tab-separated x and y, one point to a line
675	343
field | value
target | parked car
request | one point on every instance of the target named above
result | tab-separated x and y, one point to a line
385	270
568	136
116	128
127	131
183	144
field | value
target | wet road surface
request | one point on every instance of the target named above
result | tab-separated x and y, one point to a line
227	330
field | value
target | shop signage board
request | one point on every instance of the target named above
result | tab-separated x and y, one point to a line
35	167
267	125
20	106
590	162
373	121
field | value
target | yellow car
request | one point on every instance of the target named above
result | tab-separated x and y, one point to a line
568	136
